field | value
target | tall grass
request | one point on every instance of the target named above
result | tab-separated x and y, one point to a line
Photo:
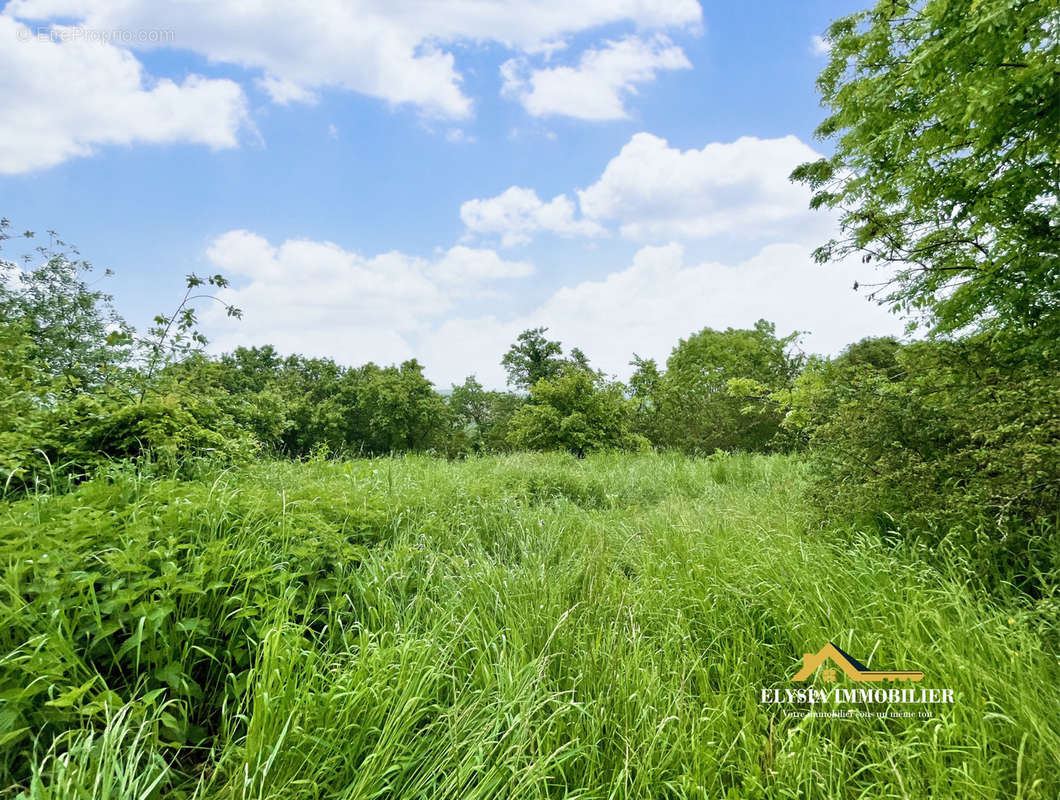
506	627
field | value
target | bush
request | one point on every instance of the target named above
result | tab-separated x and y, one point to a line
953	443
130	585
24	418
171	428
580	412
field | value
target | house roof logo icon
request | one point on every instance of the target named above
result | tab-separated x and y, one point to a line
850	666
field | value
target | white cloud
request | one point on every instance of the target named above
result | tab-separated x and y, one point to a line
284	92
320	299
653	192
820	46
317	298
659	299
468	266
517	213
385	49
597	87
64	98
459	136
740	189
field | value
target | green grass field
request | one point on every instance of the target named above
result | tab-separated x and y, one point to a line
505	627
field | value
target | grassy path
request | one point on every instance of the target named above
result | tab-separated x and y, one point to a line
518	627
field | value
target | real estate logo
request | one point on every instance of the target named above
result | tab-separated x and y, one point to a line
850	666
830	660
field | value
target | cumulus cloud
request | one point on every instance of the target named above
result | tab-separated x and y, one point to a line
653	191
517	214
66	97
469	267
284	92
659	299
393	51
820	46
318	298
596	88
321	299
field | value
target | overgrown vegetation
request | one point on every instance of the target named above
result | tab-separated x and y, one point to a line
943	116
952	443
509	626
275	576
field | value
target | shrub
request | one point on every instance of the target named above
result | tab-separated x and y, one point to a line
954	443
580	412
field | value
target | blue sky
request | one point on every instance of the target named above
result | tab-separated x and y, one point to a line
385	180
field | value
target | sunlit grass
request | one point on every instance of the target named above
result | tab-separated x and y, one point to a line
509	627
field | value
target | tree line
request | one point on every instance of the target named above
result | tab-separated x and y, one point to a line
83	389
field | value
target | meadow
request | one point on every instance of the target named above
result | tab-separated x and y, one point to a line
520	626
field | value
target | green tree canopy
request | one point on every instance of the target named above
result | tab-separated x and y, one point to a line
531	358
578	411
392	409
698	413
75	331
945	119
481	416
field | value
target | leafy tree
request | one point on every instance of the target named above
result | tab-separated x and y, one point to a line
879	353
814	393
248	385
250	369
470	403
943	117
944	122
644	388
579	360
314	392
578	411
697	412
532	358
392	409
26	393
481	417
76	333
89	391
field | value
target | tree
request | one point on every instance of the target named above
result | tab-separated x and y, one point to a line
391	409
578	411
250	369
481	417
77	384
26	393
251	387
943	117
944	120
697	412
644	387
76	333
944	442
312	391
532	358
579	360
